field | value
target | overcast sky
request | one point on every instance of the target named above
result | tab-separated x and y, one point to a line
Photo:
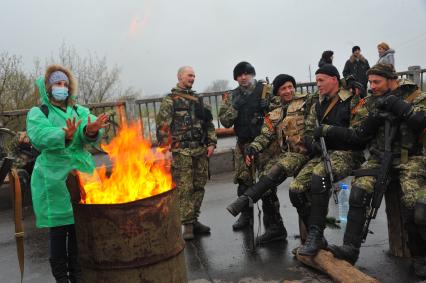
151	39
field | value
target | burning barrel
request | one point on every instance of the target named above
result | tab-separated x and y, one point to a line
127	218
139	241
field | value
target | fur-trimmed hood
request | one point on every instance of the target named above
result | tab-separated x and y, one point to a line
43	86
353	58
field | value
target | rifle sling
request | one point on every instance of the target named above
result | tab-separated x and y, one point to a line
333	103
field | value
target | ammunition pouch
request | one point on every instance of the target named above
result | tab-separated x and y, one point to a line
359	197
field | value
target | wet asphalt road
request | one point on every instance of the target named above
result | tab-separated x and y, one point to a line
222	256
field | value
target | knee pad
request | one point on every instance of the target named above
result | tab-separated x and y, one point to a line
359	197
277	174
420	213
320	184
298	200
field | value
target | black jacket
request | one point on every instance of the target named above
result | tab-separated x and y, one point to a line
357	68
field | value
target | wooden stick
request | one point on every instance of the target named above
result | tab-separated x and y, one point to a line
339	270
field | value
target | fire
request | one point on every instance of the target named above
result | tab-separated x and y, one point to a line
138	172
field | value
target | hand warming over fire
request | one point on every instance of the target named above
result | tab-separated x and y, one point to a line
93	128
71	128
210	150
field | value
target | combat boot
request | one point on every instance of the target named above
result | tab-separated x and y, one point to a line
188	231
243	221
275	177
274	226
200	228
272	233
314	242
59	269
352	239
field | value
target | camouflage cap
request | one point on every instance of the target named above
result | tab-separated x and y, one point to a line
383	70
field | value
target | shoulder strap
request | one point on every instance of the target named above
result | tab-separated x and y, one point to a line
330	106
413	96
45	110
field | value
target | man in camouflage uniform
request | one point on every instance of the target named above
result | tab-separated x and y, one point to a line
310	189
285	126
408	104
185	124
244	109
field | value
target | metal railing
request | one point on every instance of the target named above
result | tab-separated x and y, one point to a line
147	109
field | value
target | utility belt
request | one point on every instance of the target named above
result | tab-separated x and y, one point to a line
187	144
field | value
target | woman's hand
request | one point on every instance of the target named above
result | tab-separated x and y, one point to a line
93	128
71	128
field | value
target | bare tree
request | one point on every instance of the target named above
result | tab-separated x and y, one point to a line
218	85
97	81
16	87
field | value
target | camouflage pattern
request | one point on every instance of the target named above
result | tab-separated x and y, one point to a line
22	152
178	126
342	161
190	175
188	128
409	160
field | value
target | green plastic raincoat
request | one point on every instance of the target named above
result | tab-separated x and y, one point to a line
51	200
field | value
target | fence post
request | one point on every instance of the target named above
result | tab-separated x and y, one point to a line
131	111
415	74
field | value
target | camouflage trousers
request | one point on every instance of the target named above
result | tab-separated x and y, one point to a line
190	175
342	163
412	178
291	162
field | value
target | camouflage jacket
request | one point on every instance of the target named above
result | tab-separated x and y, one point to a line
407	141
179	126
284	125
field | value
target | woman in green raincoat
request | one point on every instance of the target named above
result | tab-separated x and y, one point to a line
59	129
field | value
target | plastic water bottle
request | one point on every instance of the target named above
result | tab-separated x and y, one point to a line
343	202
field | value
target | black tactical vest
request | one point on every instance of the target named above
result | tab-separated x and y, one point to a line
185	127
250	117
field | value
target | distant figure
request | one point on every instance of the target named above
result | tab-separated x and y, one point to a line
385	54
326	58
357	66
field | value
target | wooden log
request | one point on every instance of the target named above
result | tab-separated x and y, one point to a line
339	270
398	237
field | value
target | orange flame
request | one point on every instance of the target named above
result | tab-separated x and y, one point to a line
138	170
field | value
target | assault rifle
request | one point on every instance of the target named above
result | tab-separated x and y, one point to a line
383	174
327	165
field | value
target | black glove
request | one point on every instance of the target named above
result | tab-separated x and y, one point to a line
238	101
313	147
395	105
318	132
264	104
202	112
250	151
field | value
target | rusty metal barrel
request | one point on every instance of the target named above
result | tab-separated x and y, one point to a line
139	241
